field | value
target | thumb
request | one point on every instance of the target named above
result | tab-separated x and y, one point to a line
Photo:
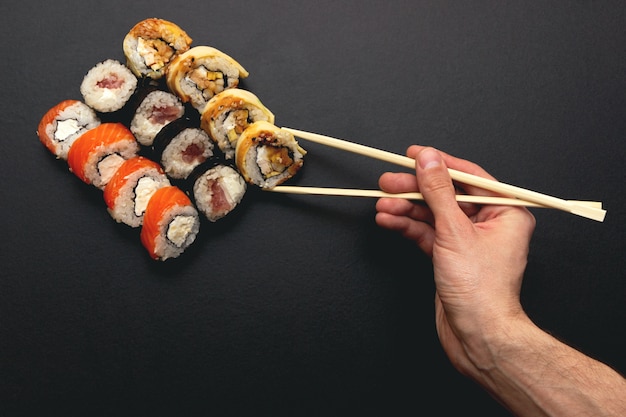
436	186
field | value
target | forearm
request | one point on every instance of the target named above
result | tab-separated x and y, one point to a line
534	374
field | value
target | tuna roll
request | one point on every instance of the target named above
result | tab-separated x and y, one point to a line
155	108
108	86
217	188
181	146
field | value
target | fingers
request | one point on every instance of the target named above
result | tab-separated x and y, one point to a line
397	182
419	232
413	221
459	165
452	161
436	186
402	207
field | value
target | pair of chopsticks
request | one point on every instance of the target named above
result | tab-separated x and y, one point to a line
515	195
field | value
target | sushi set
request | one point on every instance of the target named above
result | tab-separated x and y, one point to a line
169	137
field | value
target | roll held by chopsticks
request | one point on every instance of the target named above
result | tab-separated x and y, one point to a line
569	206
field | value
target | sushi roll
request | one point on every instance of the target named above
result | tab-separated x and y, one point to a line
267	155
170	223
154	109
97	154
200	73
228	113
108	86
217	188
181	146
130	188
151	44
63	123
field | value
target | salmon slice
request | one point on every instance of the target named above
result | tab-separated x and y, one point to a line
130	188
170	223
96	154
62	124
121	177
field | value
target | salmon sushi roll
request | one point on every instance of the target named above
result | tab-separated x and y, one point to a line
228	114
130	188
170	223
267	155
151	44
200	73
181	146
217	188
63	123
97	154
108	86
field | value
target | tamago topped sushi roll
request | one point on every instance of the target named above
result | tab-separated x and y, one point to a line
267	155
229	113
200	73
151	44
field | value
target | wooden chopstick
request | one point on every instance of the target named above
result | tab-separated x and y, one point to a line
593	213
461	198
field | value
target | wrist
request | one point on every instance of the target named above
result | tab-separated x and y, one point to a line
497	341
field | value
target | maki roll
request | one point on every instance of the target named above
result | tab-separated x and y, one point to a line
108	86
97	154
229	113
217	188
181	146
155	108
130	188
267	155
151	44
170	223
200	73
63	123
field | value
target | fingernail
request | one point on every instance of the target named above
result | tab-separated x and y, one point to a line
429	158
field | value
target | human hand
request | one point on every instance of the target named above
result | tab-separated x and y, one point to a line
479	253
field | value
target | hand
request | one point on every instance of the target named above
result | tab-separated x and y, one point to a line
479	253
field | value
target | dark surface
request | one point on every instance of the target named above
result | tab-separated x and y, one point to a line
300	305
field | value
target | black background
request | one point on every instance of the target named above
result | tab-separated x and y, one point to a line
301	305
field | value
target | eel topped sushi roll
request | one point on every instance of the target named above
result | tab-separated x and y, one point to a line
131	187
170	223
98	153
200	73
181	146
155	108
63	123
267	155
228	114
151	44
217	188
108	86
